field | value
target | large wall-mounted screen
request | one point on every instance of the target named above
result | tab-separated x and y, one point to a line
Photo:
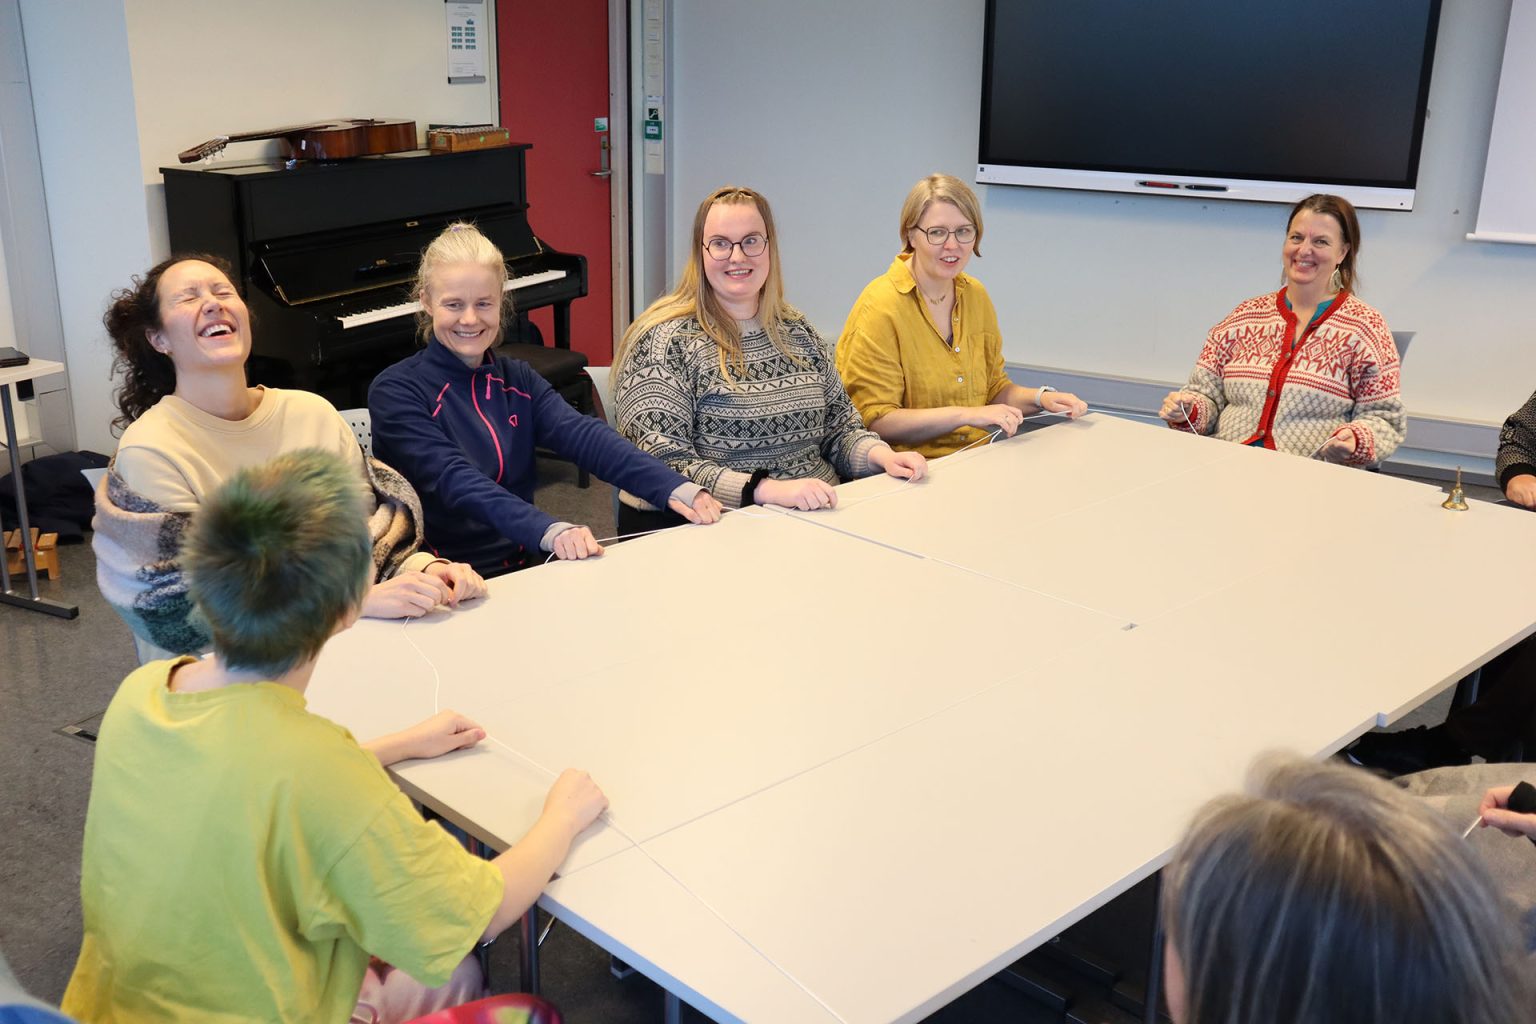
1209	98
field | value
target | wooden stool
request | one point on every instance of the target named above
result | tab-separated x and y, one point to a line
44	552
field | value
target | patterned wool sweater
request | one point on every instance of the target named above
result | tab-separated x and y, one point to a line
1265	378
1517	443
789	416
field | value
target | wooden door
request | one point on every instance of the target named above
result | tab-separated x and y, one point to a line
552	80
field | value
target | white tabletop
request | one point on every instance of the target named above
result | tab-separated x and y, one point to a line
872	755
682	689
29	370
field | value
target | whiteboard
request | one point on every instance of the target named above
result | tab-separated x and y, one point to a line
1507	212
8	332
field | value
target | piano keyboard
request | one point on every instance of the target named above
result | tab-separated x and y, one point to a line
373	316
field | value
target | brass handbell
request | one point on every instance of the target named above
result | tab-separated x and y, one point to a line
1457	502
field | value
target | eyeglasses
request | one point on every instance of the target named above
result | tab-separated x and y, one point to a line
721	248
965	234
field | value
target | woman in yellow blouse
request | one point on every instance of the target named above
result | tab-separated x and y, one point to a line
921	354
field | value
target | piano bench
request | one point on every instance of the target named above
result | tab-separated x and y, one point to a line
559	367
562	370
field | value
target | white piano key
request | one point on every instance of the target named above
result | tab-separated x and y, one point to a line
373	316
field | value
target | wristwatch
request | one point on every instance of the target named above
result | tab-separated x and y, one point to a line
749	492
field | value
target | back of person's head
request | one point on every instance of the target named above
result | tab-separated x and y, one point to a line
278	557
1331	897
147	374
460	242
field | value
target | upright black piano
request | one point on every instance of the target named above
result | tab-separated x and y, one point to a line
325	253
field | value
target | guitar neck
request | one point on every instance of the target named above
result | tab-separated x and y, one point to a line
206	149
346	138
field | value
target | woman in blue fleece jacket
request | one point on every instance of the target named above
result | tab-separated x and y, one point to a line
461	424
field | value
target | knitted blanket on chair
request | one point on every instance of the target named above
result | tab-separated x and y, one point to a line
138	554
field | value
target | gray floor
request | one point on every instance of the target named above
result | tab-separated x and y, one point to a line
55	672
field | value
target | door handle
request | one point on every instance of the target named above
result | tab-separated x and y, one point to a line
604	170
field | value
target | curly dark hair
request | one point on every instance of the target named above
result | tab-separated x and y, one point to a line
147	375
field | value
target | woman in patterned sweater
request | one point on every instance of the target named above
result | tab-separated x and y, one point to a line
1309	369
731	386
1516	465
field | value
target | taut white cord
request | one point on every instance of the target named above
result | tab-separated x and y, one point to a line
902	483
608	819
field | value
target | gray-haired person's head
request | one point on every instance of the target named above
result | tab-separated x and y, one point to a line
1327	896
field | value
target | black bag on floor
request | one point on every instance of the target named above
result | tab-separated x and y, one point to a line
58	498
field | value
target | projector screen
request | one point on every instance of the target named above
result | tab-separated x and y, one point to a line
1507	210
1208	98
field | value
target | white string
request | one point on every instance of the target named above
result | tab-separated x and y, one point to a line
754	511
607	817
618	537
1323	445
1314	454
901	483
664	529
1187	421
989	438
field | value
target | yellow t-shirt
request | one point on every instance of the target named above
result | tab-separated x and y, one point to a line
243	857
892	356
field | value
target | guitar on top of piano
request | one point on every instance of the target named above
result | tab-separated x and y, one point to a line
322	140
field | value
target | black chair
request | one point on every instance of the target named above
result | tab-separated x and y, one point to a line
561	368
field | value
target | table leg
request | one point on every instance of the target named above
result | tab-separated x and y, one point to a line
32	601
529	960
1149	1010
672	1009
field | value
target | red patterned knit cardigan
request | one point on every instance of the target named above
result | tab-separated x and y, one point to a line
1265	378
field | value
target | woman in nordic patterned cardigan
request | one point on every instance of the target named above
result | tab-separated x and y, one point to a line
1309	369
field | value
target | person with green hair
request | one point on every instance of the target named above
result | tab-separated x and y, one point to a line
243	857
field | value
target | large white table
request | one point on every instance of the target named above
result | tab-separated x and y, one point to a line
861	760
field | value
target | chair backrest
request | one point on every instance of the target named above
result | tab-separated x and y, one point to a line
16	1007
148	652
514	1006
601	385
362	425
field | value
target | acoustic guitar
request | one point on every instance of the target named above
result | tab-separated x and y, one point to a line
325	140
